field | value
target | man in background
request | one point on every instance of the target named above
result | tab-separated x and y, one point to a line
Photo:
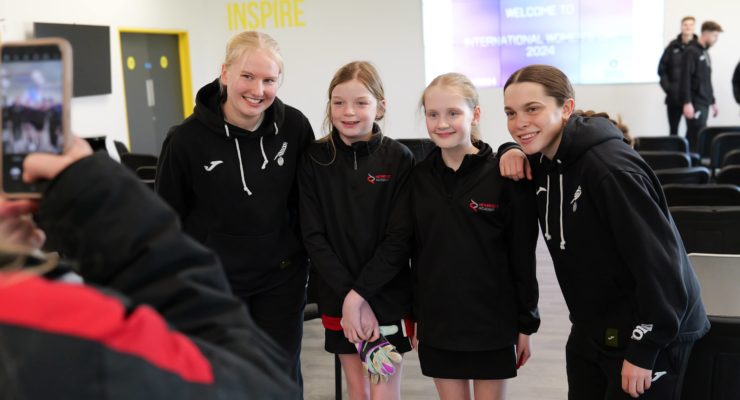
696	82
669	70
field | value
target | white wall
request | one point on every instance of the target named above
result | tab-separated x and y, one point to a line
387	32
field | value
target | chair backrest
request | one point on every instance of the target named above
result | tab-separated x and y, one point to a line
711	372
135	160
731	158
702	194
721	145
666	159
696	175
661	143
709	229
147	172
420	147
729	175
719	277
707	134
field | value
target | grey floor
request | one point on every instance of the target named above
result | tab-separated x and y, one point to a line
542	378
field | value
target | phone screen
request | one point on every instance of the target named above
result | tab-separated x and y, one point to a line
32	93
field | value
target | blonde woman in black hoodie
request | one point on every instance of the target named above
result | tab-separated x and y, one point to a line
475	289
633	298
229	172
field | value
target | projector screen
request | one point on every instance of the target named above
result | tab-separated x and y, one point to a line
592	41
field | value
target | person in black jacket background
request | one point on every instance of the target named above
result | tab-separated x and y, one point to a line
633	298
473	263
356	227
696	91
229	172
155	318
669	71
736	83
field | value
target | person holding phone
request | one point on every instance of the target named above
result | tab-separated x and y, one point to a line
35	111
157	321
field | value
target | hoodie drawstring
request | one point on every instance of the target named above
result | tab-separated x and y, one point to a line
547	210
264	156
239	155
562	233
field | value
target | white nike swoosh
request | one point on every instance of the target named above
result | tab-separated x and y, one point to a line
213	165
658	375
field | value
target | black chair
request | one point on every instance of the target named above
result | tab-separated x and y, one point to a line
420	147
701	195
729	174
707	134
709	229
97	143
712	370
731	158
661	143
121	147
721	145
666	159
696	175
147	172
135	160
312	312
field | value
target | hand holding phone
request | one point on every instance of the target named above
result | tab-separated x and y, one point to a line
35	91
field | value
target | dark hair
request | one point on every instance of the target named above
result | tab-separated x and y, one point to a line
554	81
711	26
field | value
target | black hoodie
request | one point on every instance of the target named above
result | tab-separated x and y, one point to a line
618	256
473	265
235	190
670	67
356	223
696	77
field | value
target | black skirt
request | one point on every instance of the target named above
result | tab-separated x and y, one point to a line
453	364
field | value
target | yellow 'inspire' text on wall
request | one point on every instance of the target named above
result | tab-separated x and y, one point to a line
265	14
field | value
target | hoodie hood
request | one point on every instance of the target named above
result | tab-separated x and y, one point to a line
582	133
679	39
208	110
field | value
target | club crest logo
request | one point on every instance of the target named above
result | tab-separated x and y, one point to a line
378	178
480	206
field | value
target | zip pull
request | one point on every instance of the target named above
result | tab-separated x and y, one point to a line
355	153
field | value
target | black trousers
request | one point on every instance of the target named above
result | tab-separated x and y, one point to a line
674	118
595	371
279	312
693	126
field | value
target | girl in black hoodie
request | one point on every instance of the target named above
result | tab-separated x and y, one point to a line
475	289
633	298
356	226
229	172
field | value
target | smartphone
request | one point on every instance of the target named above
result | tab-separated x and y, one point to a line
35	90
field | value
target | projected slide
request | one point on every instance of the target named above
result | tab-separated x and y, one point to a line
593	41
